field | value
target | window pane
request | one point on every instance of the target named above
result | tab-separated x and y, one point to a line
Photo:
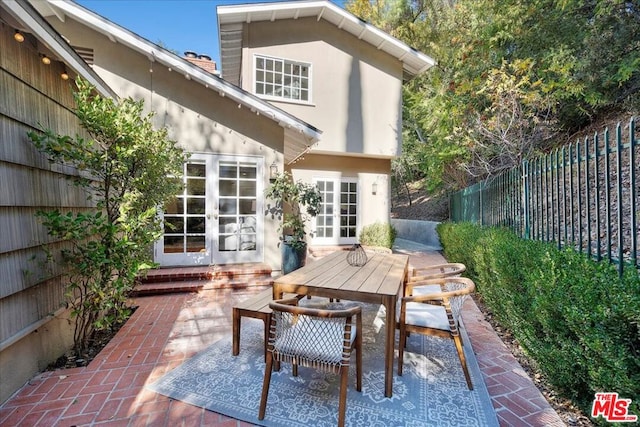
228	171
227	225
195	244
173	244
195	225
173	224
247	188
260	89
228	206
247	206
228	188
196	205
174	206
195	187
248	172
260	63
194	169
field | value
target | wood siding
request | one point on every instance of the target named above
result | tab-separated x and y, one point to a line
31	95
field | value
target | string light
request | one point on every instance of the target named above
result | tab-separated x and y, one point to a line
64	75
18	36
46	60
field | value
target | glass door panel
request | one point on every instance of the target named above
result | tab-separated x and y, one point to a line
185	220
337	222
238	204
348	209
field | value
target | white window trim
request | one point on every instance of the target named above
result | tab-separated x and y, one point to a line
281	98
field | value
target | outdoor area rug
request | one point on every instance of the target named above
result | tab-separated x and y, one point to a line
431	392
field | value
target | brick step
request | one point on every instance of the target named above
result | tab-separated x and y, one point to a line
194	279
155	288
214	272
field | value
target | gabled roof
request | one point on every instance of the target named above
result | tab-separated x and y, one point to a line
153	52
32	22
231	18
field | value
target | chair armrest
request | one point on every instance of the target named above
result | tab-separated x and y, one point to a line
466	287
317	312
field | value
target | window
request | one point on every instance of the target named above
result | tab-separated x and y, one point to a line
281	78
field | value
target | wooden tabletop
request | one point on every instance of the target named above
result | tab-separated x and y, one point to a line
332	276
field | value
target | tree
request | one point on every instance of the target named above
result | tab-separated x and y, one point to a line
126	168
582	59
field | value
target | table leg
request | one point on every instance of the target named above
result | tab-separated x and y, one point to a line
390	308
277	293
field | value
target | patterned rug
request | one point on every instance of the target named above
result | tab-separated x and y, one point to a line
431	392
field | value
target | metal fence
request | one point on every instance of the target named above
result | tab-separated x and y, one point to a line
584	195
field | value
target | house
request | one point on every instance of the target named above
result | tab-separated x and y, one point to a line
305	87
322	64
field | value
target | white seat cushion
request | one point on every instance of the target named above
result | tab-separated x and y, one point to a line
427	289
426	315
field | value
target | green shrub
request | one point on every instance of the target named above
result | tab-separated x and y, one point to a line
574	316
461	241
378	234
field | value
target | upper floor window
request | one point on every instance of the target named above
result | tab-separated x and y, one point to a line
282	78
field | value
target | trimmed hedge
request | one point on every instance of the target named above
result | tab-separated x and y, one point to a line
574	316
378	234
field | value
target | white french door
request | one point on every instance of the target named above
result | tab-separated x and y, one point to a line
337	222
215	219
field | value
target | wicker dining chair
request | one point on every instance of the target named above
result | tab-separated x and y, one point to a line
435	313
436	271
315	338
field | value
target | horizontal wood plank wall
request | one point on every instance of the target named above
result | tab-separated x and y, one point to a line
32	95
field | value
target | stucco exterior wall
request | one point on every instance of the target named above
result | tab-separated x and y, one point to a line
200	119
356	89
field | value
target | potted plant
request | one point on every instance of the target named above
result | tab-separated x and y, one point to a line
295	203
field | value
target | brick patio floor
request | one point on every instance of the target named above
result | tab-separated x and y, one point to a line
167	329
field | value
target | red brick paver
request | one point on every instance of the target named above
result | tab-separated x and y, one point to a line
167	329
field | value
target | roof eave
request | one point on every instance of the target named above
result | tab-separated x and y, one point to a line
234	14
25	13
155	53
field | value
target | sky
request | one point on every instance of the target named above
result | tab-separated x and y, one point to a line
178	25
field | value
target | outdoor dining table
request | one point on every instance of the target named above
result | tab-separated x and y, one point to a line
379	281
